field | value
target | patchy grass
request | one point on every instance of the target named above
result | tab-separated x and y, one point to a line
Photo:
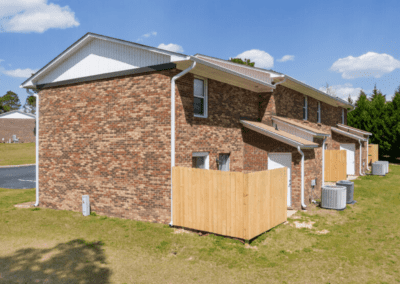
17	154
359	245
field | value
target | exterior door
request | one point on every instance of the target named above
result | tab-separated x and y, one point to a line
282	160
350	157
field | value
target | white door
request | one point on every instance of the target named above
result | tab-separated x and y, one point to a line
350	157
282	160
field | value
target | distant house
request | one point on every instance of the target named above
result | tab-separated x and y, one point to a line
17	123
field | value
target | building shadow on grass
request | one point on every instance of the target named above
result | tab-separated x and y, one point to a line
77	261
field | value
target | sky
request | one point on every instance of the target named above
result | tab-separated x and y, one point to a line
350	45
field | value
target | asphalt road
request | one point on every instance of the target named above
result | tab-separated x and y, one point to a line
18	177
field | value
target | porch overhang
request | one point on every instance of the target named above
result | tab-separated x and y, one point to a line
307	129
281	136
353	130
213	71
348	134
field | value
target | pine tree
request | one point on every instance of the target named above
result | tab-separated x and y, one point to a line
9	102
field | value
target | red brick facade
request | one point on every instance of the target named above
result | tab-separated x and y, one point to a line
23	128
110	139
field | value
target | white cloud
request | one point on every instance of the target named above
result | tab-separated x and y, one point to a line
286	58
343	91
171	47
35	16
261	58
20	73
369	64
146	36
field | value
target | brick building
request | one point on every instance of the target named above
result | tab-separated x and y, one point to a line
105	126
17	123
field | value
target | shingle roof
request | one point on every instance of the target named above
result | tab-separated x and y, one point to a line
300	125
278	134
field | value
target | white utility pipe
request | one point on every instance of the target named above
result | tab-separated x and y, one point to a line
323	162
367	155
37	145
302	177
173	124
359	141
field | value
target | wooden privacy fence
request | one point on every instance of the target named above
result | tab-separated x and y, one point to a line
229	203
335	165
373	152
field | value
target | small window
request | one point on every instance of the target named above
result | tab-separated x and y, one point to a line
200	160
200	98
223	162
319	113
305	109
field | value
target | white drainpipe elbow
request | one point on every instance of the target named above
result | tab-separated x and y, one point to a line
302	178
359	141
173	124
37	145
280	82
323	162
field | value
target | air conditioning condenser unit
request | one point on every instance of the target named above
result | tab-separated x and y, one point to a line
333	197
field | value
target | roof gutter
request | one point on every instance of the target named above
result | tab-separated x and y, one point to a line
209	64
173	125
348	134
320	92
37	145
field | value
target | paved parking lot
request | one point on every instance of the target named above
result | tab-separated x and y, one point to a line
18	177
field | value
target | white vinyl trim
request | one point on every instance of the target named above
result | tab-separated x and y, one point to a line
355	130
334	129
206	160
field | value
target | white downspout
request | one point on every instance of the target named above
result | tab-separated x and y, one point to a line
359	141
323	162
173	124
37	145
302	178
367	155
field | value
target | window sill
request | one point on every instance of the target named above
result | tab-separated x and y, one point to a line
200	116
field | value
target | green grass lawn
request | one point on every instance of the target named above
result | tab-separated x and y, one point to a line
17	154
362	246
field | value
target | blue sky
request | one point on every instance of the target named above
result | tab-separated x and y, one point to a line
350	45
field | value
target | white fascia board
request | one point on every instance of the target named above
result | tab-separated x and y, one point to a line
361	132
319	92
276	136
209	64
345	133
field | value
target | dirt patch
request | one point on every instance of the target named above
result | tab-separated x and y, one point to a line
29	204
182	231
299	225
250	247
323	232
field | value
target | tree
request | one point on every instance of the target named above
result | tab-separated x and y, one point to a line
330	90
244	62
30	105
9	102
350	100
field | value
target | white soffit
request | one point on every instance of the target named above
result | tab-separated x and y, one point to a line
16	115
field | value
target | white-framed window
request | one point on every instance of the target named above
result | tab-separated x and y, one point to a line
319	112
200	160
200	105
223	162
342	115
305	109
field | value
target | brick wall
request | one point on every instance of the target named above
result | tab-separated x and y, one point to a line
109	139
23	128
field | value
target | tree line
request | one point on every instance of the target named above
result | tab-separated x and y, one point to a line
10	101
374	114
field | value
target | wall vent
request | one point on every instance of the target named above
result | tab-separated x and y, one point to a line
333	197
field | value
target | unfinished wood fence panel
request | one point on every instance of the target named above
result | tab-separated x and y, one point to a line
335	165
373	153
229	203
